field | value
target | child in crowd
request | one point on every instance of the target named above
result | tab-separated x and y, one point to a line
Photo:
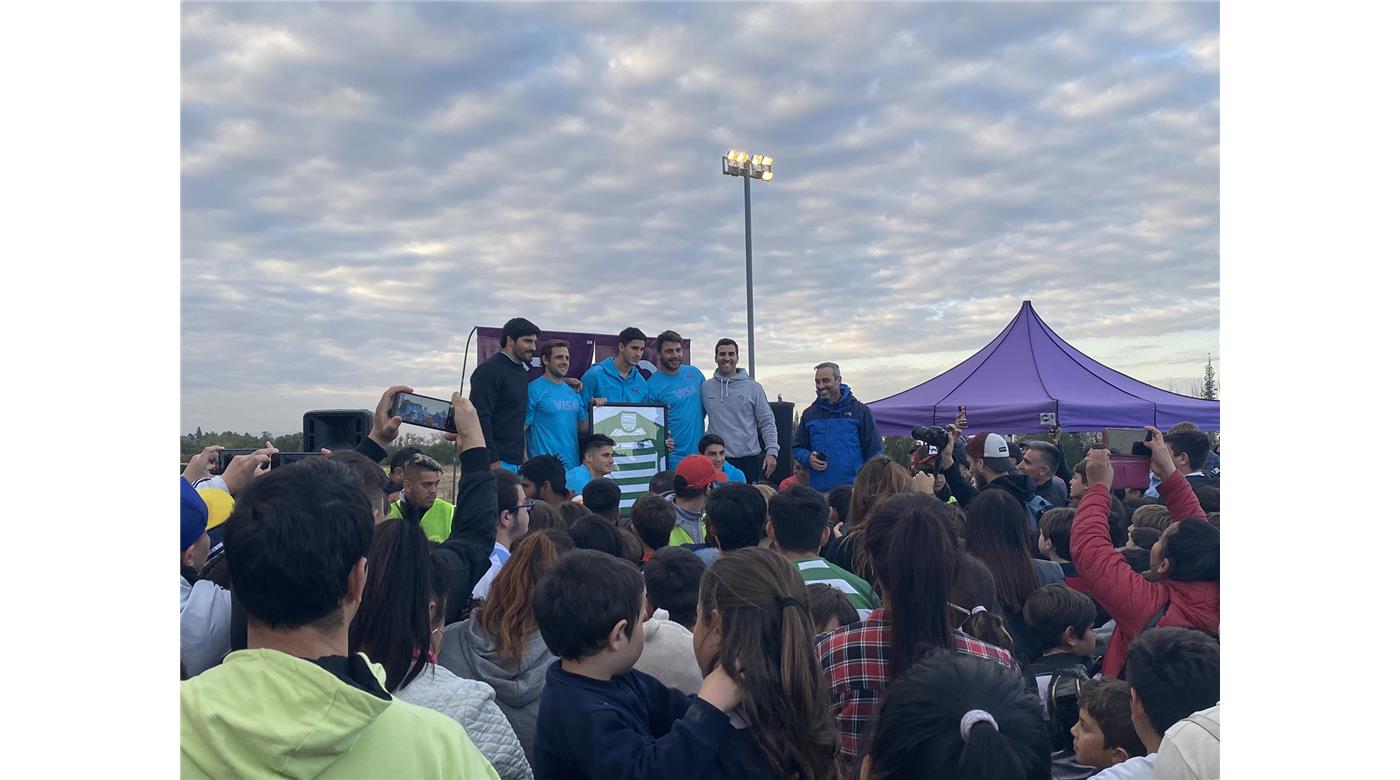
595	532
1060	620
1104	735
653	519
673	587
1151	516
955	716
753	626
830	608
1143	538
1173	673
599	717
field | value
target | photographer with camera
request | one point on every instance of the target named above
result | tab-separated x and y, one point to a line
990	461
836	435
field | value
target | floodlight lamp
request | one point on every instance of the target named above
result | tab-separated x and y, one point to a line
768	176
743	158
733	156
767	160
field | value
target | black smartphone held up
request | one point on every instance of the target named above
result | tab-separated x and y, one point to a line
226	457
425	411
284	458
1126	441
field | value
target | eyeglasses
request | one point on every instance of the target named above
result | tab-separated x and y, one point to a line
528	505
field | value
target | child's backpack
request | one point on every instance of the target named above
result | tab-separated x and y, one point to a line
1062	703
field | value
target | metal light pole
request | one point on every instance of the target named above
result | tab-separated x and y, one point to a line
748	269
738	163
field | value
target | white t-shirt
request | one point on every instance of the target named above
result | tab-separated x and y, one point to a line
1137	768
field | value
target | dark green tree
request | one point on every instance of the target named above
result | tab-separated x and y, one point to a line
1208	389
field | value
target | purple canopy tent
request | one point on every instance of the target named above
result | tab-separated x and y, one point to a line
1028	371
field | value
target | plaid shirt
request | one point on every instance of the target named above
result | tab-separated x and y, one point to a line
856	661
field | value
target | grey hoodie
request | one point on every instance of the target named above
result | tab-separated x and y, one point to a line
738	410
468	652
688	520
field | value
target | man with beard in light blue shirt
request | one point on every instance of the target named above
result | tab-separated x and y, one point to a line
678	387
555	413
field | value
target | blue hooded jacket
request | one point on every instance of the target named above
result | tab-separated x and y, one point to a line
844	431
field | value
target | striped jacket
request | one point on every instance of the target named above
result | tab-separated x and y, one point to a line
817	571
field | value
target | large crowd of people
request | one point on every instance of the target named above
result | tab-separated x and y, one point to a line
990	612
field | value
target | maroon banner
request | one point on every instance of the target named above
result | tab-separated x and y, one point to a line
585	349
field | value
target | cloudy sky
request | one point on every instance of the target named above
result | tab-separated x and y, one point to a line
362	184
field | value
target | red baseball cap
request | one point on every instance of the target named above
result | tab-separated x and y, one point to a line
698	472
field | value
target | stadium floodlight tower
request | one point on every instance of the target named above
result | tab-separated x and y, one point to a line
738	163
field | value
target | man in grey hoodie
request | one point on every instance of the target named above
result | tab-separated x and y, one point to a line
738	410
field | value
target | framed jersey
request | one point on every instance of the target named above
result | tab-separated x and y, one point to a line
639	454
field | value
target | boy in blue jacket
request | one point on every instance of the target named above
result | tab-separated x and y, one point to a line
599	717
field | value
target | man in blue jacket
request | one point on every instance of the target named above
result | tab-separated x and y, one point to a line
836	434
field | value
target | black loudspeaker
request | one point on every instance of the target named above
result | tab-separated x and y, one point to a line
782	415
335	429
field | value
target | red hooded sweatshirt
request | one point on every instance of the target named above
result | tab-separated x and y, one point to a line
1124	593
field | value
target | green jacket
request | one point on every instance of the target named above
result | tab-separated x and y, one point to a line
436	522
263	713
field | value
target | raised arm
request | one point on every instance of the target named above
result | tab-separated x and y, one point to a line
1124	593
1175	491
385	428
466	552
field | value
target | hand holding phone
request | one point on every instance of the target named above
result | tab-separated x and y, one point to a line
203	464
386	426
226	457
1163	464
243	469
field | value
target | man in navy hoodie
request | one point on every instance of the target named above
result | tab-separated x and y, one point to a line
599	717
837	433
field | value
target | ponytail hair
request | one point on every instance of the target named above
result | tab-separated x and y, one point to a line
956	717
768	646
984	626
915	560
393	624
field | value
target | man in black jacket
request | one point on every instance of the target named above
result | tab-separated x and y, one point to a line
500	392
992	468
466	553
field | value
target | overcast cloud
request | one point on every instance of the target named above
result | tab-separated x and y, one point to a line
362	184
